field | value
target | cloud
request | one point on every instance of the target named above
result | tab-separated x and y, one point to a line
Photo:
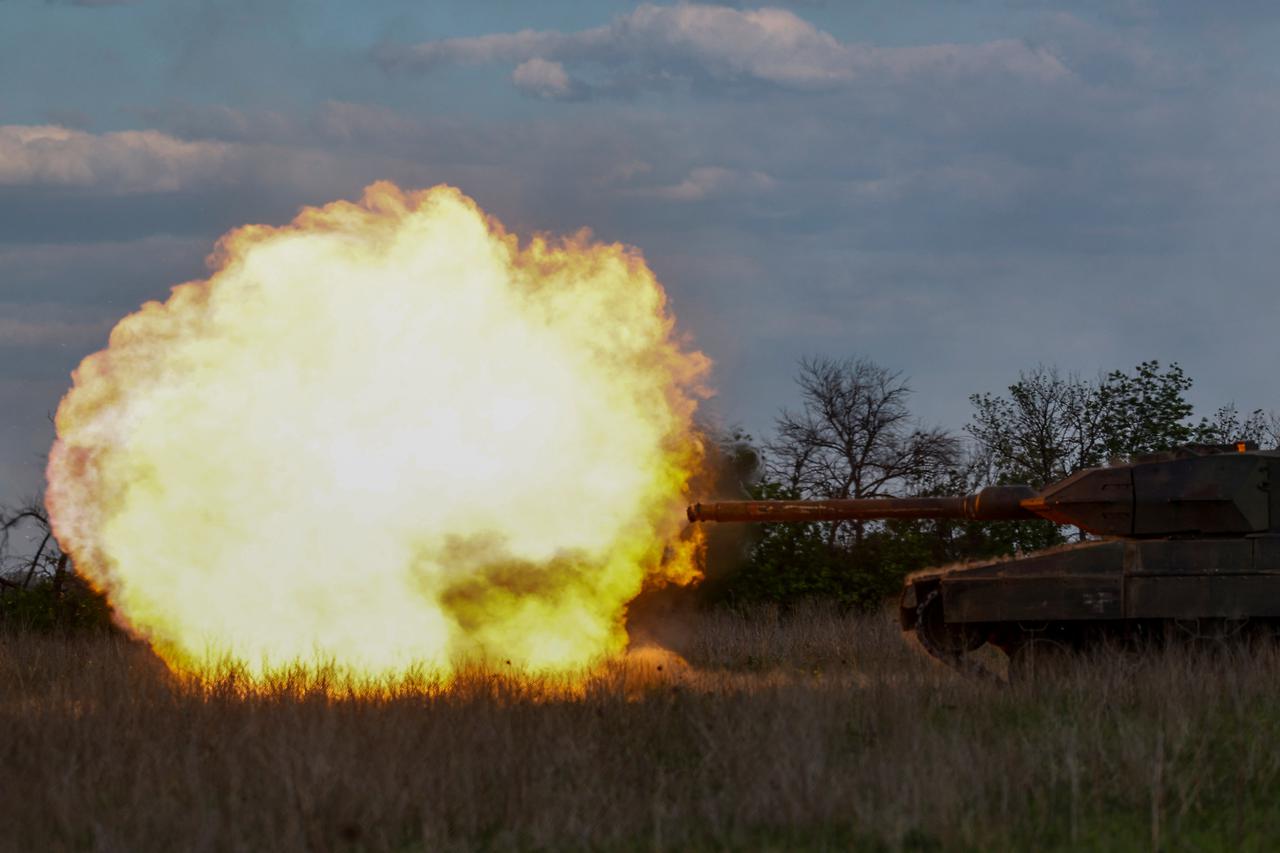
542	78
707	181
49	325
126	161
216	122
60	186
144	162
656	46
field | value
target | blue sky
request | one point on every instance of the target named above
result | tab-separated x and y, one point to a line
958	190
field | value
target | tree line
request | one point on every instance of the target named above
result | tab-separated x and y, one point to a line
853	436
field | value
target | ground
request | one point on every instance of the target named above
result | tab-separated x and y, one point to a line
817	731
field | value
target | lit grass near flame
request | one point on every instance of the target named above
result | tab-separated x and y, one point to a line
384	437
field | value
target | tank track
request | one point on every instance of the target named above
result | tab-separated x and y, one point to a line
960	661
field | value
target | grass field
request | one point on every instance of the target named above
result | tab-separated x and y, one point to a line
816	732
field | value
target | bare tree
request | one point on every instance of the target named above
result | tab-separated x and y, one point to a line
1228	424
854	436
1048	427
17	571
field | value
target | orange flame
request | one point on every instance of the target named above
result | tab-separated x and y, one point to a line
385	436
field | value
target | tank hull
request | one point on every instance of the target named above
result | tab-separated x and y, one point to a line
1083	594
1149	579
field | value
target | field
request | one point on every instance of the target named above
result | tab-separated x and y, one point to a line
819	731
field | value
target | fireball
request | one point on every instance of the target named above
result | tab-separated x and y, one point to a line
385	436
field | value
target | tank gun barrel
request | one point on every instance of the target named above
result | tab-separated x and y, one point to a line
994	503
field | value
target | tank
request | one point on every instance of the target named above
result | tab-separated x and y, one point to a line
1183	544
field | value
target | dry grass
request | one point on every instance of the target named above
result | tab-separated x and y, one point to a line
817	732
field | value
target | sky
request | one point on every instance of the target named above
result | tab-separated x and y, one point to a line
956	190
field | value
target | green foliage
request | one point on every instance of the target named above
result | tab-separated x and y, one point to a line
1049	426
50	603
1144	412
791	563
1227	425
786	562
